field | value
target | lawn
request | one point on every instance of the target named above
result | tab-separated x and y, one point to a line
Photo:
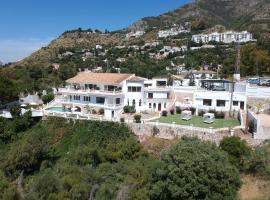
197	121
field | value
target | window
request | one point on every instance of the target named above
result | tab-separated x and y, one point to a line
221	103
134	102
207	102
140	103
128	102
134	89
100	100
150	95
168	95
161	83
85	98
77	98
235	103
165	105
117	101
150	105
154	105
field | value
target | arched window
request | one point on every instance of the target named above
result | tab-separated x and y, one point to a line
165	105
140	103
150	105
154	106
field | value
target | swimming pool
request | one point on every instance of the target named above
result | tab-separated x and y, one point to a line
57	109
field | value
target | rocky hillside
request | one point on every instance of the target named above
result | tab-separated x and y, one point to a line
235	14
253	15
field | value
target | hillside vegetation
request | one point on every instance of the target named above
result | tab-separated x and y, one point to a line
66	159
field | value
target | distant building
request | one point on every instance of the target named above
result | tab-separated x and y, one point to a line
172	32
136	34
225	37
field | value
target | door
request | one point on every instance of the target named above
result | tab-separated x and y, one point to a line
159	107
242	105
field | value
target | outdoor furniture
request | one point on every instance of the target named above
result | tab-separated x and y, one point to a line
186	115
209	118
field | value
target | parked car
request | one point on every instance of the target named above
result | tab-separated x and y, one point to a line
255	81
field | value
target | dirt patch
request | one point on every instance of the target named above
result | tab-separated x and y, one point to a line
155	146
254	188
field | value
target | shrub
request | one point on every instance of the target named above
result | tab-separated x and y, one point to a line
129	109
155	131
201	113
237	149
172	111
178	110
213	111
251	127
220	115
101	111
260	161
193	110
47	98
164	113
137	118
94	111
190	169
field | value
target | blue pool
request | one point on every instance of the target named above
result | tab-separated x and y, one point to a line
58	109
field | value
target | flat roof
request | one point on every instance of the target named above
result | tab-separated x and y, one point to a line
99	78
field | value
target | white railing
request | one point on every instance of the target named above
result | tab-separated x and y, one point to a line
104	92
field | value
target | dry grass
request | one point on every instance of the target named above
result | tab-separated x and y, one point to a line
254	188
155	146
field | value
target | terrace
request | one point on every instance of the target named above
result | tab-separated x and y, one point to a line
197	121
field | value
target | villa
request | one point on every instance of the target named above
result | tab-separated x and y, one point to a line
225	37
107	93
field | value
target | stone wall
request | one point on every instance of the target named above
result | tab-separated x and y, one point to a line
169	132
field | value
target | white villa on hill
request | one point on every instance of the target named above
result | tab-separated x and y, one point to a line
111	92
225	37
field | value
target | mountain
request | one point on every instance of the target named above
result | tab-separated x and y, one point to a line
251	15
233	14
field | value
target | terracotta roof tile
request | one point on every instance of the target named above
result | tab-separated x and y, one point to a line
99	78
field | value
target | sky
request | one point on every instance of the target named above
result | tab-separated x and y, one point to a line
27	25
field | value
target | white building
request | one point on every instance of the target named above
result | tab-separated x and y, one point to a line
225	37
136	34
219	100
172	32
89	93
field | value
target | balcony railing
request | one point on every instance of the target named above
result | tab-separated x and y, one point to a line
88	91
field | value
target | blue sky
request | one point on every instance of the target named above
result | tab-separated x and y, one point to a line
27	25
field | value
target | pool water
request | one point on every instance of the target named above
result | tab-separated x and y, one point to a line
58	109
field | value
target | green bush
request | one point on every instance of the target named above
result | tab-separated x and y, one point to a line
47	98
220	115
101	111
164	113
238	150
137	118
194	169
201	113
259	163
178	110
129	109
172	111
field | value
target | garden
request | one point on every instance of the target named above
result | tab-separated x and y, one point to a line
197	121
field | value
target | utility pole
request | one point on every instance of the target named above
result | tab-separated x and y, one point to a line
236	76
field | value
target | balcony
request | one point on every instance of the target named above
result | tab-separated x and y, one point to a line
89	91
